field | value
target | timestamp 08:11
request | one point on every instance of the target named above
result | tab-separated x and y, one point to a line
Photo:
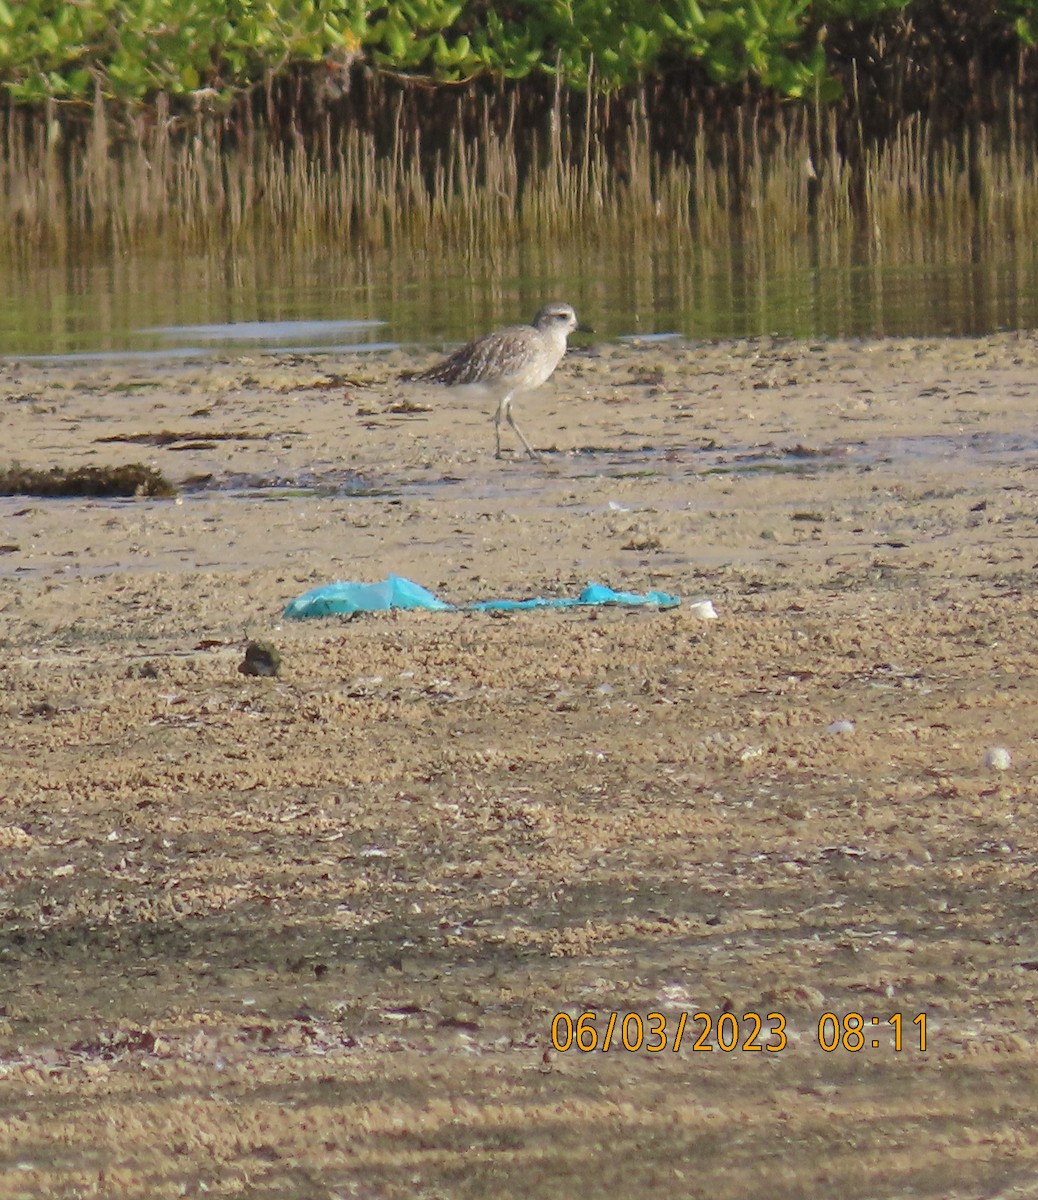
702	1031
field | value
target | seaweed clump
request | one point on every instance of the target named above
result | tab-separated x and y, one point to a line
134	479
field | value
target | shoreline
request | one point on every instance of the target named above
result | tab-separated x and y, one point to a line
344	905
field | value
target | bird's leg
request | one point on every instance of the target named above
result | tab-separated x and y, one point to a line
502	410
507	405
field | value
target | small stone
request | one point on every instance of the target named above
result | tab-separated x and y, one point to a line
794	810
998	758
261	658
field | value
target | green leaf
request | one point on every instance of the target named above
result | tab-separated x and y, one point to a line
80	81
396	41
49	40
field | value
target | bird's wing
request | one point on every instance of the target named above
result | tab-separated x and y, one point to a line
492	357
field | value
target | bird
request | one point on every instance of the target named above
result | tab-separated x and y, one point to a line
507	363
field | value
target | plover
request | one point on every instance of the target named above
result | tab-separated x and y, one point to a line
504	364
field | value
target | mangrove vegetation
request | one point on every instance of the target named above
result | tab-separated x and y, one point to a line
134	50
906	128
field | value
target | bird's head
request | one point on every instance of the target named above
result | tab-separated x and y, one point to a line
556	318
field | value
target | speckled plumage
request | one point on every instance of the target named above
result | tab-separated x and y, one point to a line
508	362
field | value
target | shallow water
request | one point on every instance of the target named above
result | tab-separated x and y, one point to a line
674	462
339	300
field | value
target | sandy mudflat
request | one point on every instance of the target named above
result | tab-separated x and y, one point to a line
306	936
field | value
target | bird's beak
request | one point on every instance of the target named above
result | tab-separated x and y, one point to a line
582	328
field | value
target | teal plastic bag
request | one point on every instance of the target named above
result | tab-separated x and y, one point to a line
595	593
344	599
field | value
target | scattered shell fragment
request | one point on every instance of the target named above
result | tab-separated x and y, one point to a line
703	609
14	837
998	758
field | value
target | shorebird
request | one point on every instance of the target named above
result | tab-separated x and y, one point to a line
506	363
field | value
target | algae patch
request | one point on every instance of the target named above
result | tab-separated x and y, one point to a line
134	479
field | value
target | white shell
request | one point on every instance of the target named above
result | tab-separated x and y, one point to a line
998	758
840	727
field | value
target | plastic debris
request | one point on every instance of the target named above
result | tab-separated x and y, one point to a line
594	593
343	599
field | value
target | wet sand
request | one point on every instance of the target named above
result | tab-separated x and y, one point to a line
308	936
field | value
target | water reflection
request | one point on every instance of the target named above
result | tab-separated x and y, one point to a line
654	281
235	332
